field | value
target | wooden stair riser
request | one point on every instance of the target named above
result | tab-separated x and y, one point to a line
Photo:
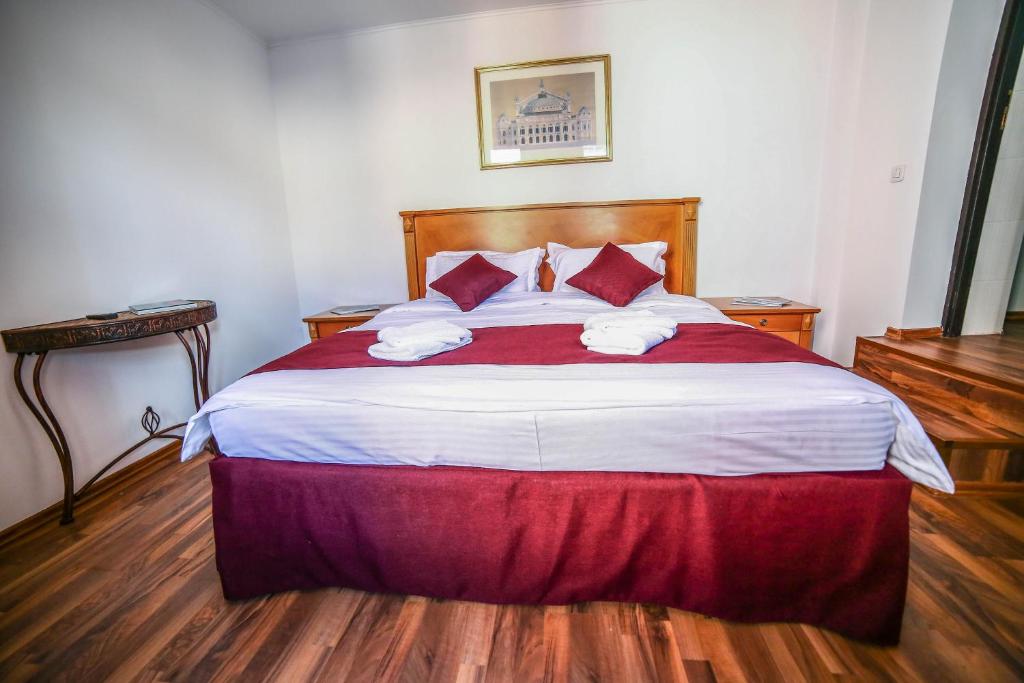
944	388
990	466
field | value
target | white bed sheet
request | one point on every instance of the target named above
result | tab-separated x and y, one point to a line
701	418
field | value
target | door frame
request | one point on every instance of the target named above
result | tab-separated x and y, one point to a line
998	90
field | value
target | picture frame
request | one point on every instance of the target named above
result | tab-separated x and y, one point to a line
550	111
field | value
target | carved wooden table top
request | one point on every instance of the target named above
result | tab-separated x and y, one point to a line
69	334
39	340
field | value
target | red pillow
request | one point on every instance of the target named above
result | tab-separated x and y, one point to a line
472	281
615	276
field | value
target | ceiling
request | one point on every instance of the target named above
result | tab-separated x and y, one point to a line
278	21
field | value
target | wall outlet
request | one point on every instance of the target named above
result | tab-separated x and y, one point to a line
898	174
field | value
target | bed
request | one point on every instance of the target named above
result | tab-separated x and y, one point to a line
729	473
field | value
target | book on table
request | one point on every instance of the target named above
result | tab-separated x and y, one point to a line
162	306
350	310
767	301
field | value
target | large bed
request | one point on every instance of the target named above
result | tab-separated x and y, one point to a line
729	472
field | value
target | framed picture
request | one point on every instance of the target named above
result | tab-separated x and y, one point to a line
555	111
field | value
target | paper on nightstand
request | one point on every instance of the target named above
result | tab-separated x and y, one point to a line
349	310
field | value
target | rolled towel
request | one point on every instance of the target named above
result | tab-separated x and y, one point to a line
622	342
414	351
630	321
429	331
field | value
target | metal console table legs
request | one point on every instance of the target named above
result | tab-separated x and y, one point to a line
191	328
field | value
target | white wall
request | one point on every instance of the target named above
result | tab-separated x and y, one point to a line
785	117
866	270
1003	229
835	199
724	100
1016	304
138	162
965	63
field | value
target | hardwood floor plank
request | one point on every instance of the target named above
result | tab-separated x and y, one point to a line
684	625
791	651
104	645
823	650
754	655
719	650
189	638
447	635
209	645
517	646
364	640
26	620
160	628
131	593
400	647
959	521
307	650
234	663
699	671
556	644
110	606
657	641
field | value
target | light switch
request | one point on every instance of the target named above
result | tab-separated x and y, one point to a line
898	174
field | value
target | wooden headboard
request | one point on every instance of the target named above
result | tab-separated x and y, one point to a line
584	224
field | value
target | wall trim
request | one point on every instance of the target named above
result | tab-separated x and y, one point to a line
901	333
51	514
218	10
987	488
467	16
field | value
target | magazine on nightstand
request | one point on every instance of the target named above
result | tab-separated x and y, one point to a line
349	310
766	301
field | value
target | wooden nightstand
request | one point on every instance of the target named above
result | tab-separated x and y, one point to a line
327	323
794	321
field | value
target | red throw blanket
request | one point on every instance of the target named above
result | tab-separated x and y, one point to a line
557	345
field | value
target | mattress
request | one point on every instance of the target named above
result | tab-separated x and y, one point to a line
701	418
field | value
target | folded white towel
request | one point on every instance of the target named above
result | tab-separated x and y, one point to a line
430	331
630	343
414	351
630	321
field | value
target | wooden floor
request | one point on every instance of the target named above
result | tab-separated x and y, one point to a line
130	592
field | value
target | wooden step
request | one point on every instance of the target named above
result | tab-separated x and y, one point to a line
938	379
995	358
949	430
971	404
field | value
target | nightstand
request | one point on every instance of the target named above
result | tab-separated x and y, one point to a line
794	321
326	323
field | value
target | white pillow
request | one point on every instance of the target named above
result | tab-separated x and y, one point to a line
566	262
525	264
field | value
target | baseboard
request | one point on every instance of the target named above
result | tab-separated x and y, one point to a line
51	515
976	489
901	334
1015	316
986	488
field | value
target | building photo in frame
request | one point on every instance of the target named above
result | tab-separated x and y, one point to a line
554	111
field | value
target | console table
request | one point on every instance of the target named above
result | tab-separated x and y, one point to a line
39	340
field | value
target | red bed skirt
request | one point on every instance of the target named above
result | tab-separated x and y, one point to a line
829	550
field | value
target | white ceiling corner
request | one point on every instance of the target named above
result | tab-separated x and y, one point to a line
279	22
